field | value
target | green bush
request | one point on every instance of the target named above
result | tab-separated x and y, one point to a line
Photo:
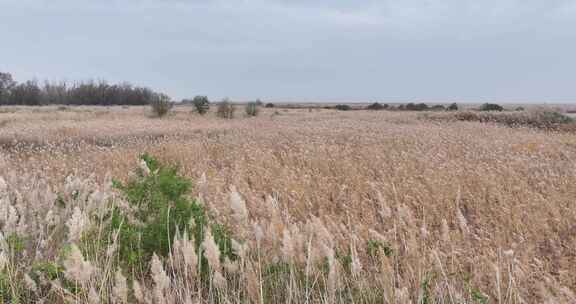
251	109
161	207
269	105
201	104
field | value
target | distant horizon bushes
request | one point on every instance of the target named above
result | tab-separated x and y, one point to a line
33	93
539	119
410	107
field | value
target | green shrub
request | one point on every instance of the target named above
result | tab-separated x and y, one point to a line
201	104
251	109
161	207
269	105
225	109
161	105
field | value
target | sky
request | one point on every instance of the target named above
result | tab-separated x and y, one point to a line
302	50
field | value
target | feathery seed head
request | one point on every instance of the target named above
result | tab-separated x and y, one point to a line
211	251
238	205
76	267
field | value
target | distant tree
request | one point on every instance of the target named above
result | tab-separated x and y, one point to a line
520	109
6	86
101	93
269	105
491	107
81	93
452	107
201	104
27	93
55	93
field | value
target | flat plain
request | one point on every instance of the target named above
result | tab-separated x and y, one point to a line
323	206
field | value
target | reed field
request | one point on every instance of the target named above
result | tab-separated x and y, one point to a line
112	205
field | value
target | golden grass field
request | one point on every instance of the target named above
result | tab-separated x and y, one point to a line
362	207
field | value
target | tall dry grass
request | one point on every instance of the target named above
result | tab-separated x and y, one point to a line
330	207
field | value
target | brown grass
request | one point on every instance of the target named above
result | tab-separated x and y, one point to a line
469	210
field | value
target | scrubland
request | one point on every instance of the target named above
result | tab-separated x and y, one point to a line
291	206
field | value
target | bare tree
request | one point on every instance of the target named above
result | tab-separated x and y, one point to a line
6	86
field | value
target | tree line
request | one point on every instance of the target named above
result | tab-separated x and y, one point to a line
102	93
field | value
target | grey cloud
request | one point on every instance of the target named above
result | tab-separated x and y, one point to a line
347	50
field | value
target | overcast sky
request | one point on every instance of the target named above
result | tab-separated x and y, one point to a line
302	50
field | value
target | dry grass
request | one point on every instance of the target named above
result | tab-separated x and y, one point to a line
467	212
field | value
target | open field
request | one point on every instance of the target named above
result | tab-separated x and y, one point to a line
324	206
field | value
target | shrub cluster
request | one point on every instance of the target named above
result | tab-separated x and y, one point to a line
423	107
225	109
82	93
160	211
548	120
